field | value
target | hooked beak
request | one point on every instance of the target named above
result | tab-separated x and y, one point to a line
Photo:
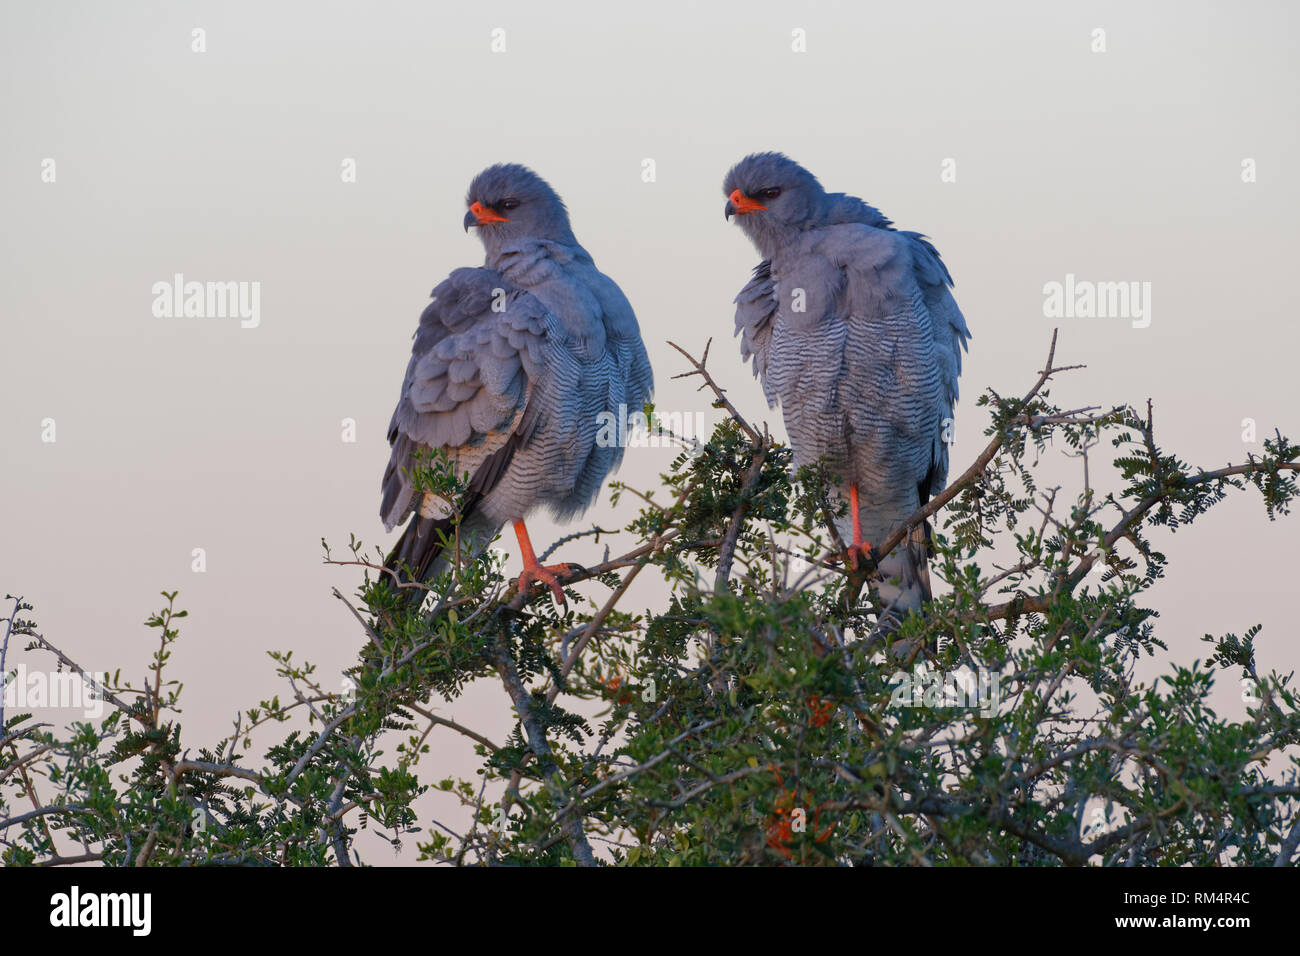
738	204
480	215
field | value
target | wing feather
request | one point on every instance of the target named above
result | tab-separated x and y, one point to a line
756	308
951	336
467	385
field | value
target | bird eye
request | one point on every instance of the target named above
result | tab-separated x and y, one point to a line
770	193
509	204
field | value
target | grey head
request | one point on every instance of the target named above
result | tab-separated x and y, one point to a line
508	203
773	197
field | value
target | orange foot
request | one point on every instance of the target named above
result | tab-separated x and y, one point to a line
535	572
547	574
858	546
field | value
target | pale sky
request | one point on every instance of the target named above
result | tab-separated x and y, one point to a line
175	434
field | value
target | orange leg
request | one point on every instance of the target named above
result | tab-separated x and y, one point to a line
535	572
858	545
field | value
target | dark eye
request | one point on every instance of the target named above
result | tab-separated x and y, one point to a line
509	204
770	193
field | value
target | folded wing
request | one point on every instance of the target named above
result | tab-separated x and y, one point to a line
477	356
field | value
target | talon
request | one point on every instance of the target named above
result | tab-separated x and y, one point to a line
851	555
547	575
533	571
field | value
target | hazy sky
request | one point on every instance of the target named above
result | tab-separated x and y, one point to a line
227	165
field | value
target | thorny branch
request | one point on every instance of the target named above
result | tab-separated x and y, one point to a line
757	739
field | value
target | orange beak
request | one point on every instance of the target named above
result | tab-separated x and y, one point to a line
484	215
743	204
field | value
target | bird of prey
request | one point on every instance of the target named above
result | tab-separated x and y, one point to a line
852	328
514	362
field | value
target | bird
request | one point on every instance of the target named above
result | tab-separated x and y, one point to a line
514	364
851	326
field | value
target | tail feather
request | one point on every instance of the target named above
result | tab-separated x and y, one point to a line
420	545
904	584
905	576
421	554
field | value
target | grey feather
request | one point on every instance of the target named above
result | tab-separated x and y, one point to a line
852	328
512	367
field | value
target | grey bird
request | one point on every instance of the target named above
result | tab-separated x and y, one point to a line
852	328
513	366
